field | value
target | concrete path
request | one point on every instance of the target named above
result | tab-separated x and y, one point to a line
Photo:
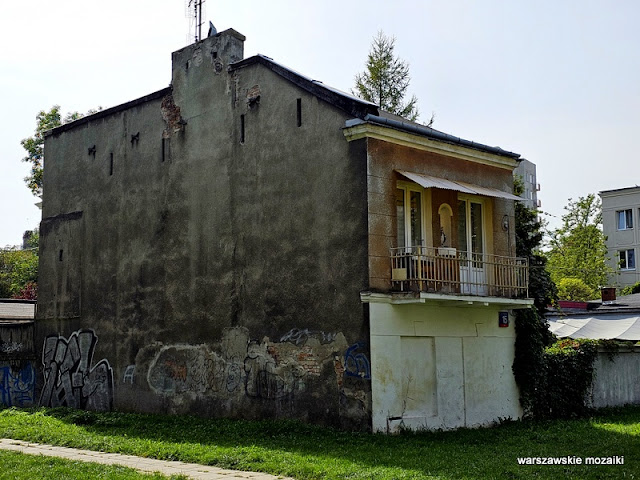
148	465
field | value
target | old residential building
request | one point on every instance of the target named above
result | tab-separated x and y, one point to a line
253	243
620	218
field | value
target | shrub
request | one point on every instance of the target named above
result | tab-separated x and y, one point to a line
570	288
631	289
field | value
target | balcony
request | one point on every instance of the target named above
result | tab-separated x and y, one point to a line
446	270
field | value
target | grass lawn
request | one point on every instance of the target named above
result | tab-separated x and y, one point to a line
310	452
18	466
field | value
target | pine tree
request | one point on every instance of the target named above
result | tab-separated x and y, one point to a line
386	79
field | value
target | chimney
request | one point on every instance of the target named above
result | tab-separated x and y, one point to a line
214	53
608	294
200	70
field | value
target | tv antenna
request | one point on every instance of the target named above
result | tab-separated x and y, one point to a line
193	11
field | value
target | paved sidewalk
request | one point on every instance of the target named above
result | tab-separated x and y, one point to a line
150	465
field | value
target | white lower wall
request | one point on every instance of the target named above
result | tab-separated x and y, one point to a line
440	367
617	381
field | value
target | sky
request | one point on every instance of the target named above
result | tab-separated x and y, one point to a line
557	82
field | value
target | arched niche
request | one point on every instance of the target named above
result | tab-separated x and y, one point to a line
445	213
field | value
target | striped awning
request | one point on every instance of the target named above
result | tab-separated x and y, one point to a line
427	181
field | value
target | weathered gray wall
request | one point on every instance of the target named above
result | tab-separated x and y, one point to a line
617	379
183	270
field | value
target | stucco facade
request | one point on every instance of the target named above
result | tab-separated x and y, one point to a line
620	225
212	248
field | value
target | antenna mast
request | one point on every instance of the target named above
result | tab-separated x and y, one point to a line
194	12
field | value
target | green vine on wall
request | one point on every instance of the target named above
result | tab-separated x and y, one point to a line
568	375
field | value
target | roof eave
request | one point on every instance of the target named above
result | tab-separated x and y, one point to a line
429	140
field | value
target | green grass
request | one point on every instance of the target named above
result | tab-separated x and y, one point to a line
310	452
18	466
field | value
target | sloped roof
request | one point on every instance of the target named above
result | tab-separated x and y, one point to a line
616	320
363	110
13	310
354	106
609	327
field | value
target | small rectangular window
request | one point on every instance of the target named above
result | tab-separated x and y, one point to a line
627	259
241	128
624	219
299	111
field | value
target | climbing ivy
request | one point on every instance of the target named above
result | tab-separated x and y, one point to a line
532	330
566	378
553	378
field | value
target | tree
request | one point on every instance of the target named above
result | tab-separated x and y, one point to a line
529	238
386	79
35	145
18	273
578	247
575	289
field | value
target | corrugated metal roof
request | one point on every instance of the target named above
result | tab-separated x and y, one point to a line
17	311
428	181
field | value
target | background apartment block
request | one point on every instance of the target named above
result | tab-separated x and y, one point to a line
620	217
526	170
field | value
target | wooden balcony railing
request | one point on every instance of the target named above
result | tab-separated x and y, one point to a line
450	271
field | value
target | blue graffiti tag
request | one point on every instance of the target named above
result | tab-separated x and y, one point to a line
17	387
357	364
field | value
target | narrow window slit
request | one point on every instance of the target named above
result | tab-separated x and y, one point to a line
241	128
299	110
163	149
111	164
60	255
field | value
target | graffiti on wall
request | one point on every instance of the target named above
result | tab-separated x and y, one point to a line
267	379
301	335
239	368
17	385
187	368
11	347
357	364
69	378
239	365
129	374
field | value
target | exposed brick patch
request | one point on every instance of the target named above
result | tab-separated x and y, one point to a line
338	367
171	116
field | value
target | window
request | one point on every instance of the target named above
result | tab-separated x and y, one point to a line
627	259
625	219
409	215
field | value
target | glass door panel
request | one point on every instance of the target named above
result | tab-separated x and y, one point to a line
416	218
400	218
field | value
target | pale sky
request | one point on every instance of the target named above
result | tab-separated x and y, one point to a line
556	81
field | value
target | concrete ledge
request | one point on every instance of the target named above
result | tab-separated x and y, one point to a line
399	298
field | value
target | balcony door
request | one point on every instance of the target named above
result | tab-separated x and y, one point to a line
471	243
409	214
